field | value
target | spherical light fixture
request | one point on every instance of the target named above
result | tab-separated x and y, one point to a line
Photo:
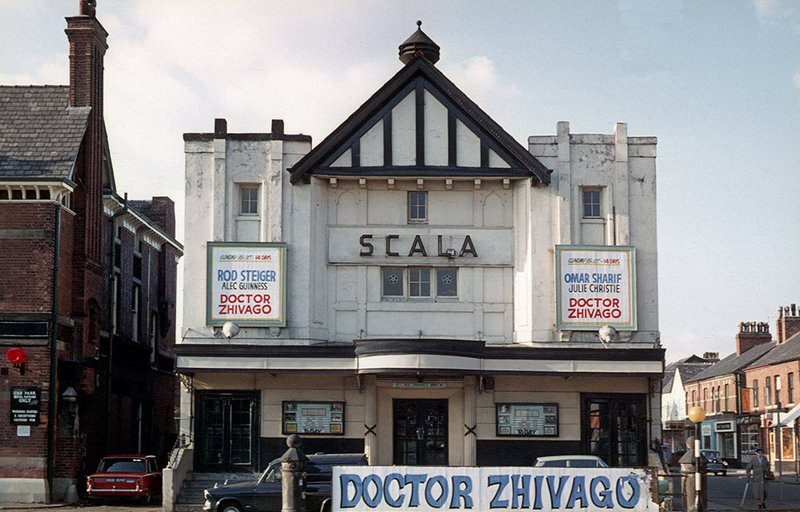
697	414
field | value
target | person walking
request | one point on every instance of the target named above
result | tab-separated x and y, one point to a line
757	471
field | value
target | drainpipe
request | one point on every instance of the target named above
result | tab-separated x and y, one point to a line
52	395
112	241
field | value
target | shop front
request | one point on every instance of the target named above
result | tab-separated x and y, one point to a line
443	409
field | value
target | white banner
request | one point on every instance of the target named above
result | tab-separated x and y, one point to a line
596	286
246	284
428	489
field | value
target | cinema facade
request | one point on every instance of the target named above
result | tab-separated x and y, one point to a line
420	287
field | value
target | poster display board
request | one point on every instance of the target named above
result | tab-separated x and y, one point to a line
527	420
25	406
595	286
322	418
449	488
246	284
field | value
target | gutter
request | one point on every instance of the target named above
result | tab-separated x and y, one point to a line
51	398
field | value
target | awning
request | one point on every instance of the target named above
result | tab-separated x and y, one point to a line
788	419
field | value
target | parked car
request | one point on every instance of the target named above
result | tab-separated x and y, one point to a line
264	495
714	464
125	476
570	461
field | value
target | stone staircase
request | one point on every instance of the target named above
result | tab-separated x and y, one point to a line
190	498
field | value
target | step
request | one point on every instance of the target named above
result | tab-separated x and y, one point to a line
183	507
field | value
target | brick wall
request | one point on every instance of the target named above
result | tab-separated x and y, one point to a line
706	392
782	370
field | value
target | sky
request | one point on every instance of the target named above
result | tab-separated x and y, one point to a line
717	81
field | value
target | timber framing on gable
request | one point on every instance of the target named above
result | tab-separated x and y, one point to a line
497	154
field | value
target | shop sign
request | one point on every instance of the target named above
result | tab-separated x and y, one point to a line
373	488
596	286
246	284
25	406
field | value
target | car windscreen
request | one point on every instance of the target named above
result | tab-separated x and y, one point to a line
272	473
122	466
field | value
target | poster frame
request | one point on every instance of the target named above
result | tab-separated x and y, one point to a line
511	405
632	323
211	247
330	403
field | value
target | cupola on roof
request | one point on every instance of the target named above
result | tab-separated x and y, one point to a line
419	44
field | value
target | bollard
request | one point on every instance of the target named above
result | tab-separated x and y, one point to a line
688	472
292	480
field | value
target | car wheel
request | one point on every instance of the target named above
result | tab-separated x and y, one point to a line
147	499
230	507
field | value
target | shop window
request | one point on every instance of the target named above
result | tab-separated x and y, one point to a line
755	394
591	203
417	207
790	387
248	199
419	282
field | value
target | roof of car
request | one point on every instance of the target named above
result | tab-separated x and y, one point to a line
128	456
569	457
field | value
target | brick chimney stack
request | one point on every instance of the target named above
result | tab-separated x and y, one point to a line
751	334
87	46
788	323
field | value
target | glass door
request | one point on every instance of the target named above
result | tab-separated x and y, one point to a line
420	432
227	432
615	429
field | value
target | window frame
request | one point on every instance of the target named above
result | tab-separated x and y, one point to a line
413	217
250	201
790	387
589	215
767	391
407	284
756	401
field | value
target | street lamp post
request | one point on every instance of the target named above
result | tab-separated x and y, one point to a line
696	416
778	430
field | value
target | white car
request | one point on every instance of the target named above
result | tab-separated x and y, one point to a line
570	461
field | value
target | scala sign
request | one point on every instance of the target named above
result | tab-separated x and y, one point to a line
596	286
246	284
374	488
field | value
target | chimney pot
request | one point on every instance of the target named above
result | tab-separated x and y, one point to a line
220	128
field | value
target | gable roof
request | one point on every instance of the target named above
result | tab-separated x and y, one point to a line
734	362
40	135
687	368
419	74
787	351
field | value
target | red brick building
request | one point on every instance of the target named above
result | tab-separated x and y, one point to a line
87	288
773	387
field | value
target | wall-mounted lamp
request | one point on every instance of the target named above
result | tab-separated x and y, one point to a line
17	357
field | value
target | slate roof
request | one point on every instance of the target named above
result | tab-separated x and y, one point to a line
734	362
787	351
688	367
40	135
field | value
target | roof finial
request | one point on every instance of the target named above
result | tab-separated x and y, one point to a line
419	45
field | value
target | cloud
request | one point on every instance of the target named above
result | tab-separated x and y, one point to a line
478	78
778	11
796	80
